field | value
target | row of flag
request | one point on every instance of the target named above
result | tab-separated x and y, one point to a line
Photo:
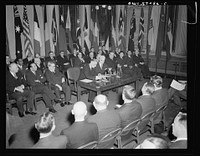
114	36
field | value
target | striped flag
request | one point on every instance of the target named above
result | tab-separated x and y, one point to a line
68	31
7	45
18	30
54	32
37	37
113	38
28	47
47	32
132	31
141	31
86	33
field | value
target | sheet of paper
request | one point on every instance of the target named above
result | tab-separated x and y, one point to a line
86	80
177	85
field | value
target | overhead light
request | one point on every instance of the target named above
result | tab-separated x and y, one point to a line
109	7
97	7
103	6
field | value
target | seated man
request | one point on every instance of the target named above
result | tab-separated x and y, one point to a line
101	65
16	90
45	126
51	58
131	110
147	102
80	132
63	62
35	79
179	130
106	120
154	142
57	82
7	62
160	94
111	61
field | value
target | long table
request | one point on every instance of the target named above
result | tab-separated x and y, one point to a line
113	82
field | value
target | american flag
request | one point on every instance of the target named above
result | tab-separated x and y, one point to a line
28	48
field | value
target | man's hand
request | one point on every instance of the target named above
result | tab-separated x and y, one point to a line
20	89
63	80
37	80
60	88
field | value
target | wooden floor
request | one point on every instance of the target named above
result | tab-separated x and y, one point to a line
26	134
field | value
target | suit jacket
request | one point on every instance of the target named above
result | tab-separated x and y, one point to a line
111	63
148	104
78	63
61	61
47	59
106	120
161	97
89	73
130	112
37	76
80	133
58	142
12	82
129	61
98	69
54	78
180	144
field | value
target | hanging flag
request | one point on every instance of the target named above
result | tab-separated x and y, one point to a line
37	37
47	33
96	32
113	38
7	45
68	31
91	36
160	37
18	30
132	31
86	33
108	31
78	34
121	38
141	31
28	48
54	32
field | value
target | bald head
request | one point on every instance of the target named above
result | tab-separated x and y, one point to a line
79	109
100	102
13	68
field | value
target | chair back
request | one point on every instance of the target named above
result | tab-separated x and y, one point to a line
73	73
90	145
108	140
158	112
144	121
129	127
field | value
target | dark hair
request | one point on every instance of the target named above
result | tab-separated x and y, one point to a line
156	80
129	92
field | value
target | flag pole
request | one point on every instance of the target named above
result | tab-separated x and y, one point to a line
147	47
166	26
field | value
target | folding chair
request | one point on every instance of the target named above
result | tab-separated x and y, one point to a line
109	139
90	145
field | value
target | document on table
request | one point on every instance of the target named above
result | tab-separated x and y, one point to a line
86	80
178	85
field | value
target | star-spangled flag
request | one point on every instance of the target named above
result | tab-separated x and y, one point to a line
37	34
28	47
132	31
18	30
141	31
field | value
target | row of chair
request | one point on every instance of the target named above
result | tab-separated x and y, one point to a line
120	138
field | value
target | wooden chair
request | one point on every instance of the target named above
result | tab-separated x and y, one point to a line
73	77
158	112
90	145
126	136
109	139
142	126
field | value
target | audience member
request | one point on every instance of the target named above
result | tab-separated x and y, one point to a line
7	62
131	110
51	58
63	62
147	102
28	59
16	90
111	61
39	64
154	142
45	126
106	120
179	130
80	132
35	78
101	65
79	61
73	56
57	82
21	66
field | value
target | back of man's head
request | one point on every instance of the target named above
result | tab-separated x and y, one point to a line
129	92
180	125
79	110
100	102
148	88
157	81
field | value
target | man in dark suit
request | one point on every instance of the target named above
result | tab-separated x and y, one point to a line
106	120
101	65
80	132
131	110
16	90
111	61
73	56
51	58
63	61
45	126
57	81
147	102
179	130
36	79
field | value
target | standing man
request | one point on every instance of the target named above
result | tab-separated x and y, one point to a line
35	79
57	82
16	90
